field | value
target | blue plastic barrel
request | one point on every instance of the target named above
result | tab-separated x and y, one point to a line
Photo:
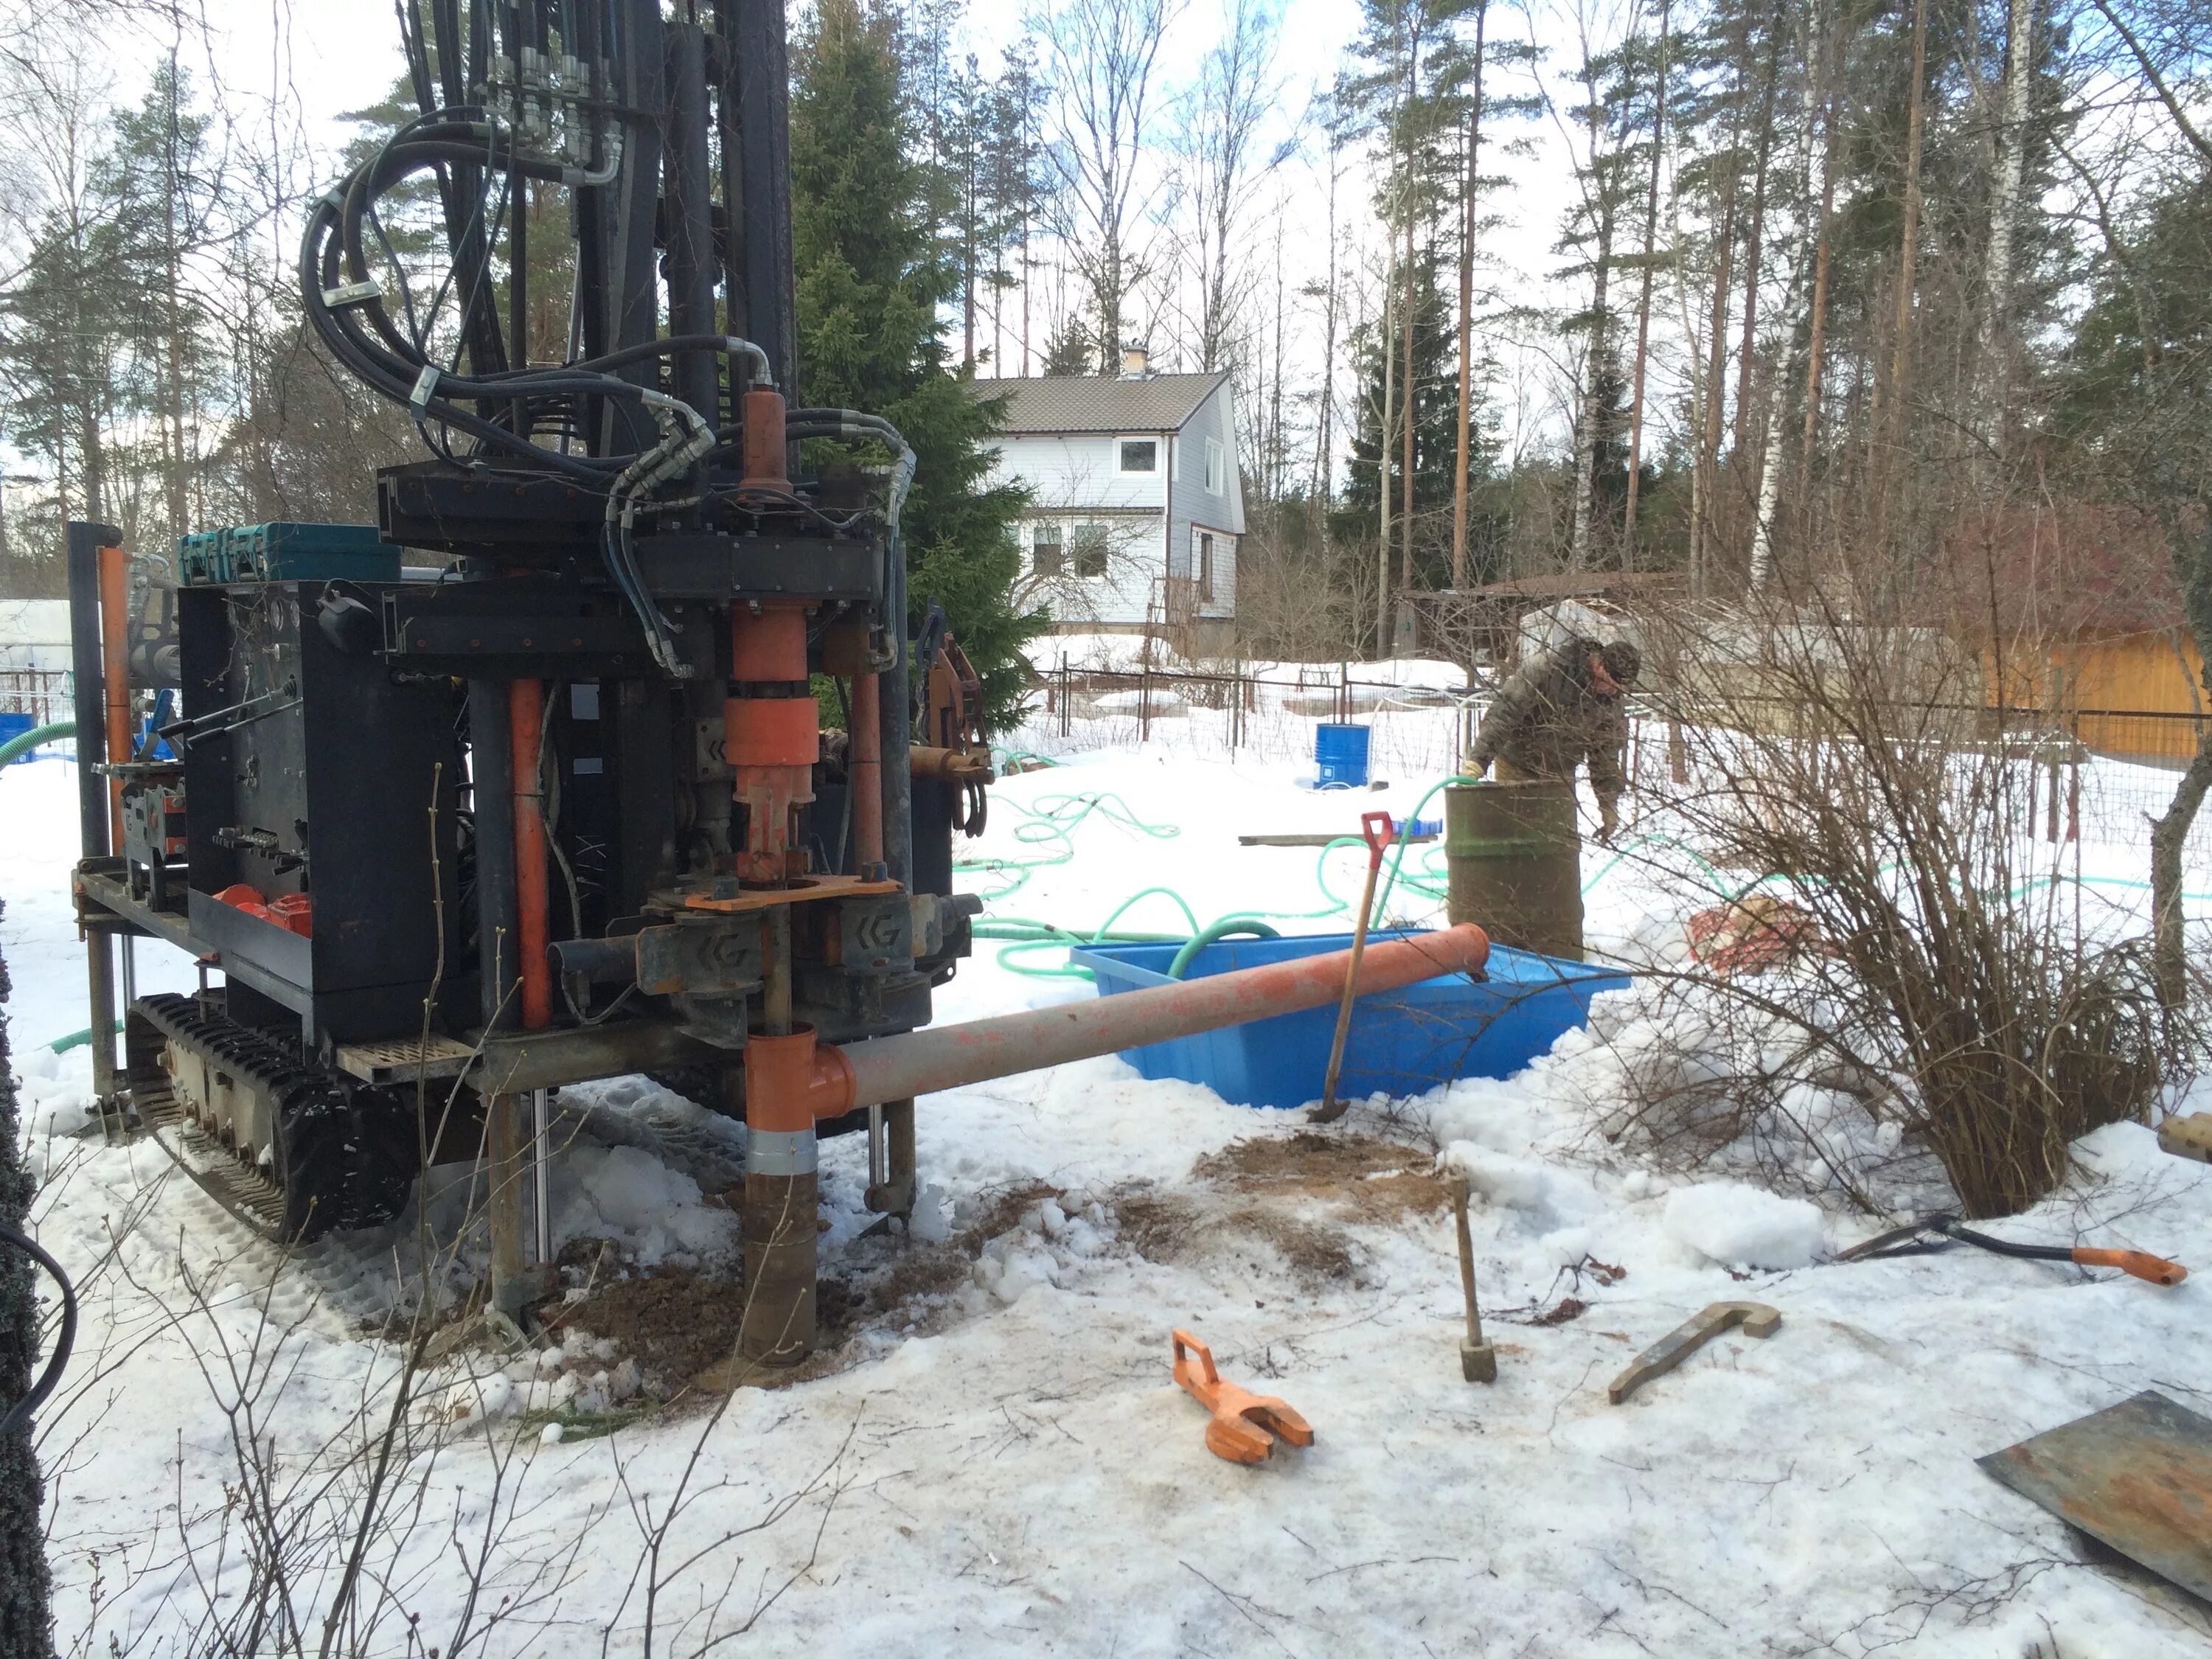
14	725
1340	756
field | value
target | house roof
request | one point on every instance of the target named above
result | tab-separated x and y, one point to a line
1092	403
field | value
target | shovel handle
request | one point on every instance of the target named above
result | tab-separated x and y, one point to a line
2140	1263
1377	832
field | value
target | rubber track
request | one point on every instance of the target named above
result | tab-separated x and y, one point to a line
319	1125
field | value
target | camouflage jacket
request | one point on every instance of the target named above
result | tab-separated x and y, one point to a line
1545	721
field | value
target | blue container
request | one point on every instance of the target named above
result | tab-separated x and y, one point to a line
1401	1043
14	725
1340	757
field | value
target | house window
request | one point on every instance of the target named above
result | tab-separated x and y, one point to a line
1205	553
1216	467
1090	545
1047	554
1140	454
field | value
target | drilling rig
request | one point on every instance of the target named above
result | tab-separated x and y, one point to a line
549	800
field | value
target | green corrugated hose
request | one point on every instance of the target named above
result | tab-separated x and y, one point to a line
24	743
76	1039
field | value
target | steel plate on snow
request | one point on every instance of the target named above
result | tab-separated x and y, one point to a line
2137	1476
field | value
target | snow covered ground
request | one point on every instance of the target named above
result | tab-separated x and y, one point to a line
992	1457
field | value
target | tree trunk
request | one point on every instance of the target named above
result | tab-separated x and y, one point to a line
2193	560
1322	458
1466	312
2004	212
1754	244
1586	438
1768	461
2169	941
1816	346
1406	396
1901	360
1708	457
1384	433
1643	305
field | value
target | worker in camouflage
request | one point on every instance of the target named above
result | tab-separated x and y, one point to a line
1557	711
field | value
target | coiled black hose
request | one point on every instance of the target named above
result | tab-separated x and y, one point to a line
64	1339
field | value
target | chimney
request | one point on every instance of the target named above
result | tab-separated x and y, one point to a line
1136	362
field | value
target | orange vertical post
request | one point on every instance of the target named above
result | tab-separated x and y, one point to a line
115	675
864	772
526	707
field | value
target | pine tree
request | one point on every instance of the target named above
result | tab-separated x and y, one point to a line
871	278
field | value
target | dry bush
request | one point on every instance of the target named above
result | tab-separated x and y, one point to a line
1857	767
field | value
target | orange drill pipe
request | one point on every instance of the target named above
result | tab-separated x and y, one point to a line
864	771
834	1081
115	675
526	715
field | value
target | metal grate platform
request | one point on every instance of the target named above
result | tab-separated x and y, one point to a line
402	1060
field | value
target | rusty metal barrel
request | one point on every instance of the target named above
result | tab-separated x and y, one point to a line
1514	857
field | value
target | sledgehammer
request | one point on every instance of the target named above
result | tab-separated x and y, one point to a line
1477	1360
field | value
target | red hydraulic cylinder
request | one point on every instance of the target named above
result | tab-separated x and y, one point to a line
952	1056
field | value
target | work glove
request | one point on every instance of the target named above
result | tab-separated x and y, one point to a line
1608	820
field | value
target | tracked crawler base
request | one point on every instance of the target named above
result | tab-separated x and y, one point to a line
293	1150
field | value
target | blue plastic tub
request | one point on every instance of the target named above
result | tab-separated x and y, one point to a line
1340	757
1401	1043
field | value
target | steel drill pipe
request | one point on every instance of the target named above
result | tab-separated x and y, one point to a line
951	1056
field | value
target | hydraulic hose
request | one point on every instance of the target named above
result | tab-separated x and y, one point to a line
64	1339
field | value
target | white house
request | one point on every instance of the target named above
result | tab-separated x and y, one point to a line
1137	506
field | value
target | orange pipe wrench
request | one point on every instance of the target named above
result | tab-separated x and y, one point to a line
1245	1425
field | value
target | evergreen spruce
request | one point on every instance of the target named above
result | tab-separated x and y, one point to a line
871	279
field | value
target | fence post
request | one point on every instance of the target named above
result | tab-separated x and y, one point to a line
1145	700
1067	699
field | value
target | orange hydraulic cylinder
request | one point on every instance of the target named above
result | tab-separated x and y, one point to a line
115	675
772	742
864	771
764	442
525	713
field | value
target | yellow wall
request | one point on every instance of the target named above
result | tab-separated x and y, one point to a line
2139	676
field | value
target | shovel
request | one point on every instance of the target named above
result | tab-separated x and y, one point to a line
1375	829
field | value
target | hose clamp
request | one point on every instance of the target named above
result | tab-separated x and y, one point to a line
781	1152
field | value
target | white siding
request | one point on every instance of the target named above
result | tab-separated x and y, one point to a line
1198	508
1064	473
1076	478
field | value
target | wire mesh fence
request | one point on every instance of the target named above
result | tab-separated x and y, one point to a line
42	694
2098	774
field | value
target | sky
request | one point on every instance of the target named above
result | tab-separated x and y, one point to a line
327	57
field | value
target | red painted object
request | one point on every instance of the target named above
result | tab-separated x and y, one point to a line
293	912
